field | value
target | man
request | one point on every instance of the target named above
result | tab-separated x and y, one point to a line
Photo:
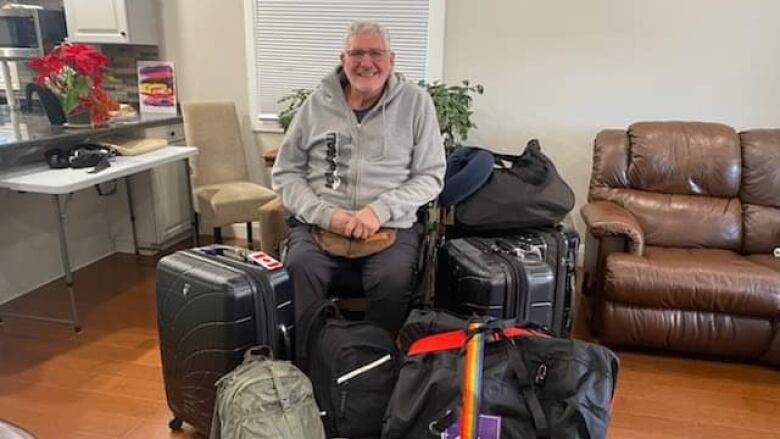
363	152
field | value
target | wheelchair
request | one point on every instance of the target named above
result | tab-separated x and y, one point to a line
347	288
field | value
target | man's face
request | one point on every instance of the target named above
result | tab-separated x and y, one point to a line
367	63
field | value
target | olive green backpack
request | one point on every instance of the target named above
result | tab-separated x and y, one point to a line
264	398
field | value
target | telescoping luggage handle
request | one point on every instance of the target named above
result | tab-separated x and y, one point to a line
241	254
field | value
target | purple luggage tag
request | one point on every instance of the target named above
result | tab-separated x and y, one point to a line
489	428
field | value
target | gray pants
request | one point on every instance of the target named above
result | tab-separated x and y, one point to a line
388	276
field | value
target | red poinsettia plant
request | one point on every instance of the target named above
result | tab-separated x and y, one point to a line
75	73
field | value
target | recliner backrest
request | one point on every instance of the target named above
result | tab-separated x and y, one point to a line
760	191
680	179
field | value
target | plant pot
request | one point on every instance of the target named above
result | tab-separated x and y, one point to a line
78	118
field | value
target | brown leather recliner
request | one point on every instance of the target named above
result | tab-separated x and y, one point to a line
683	219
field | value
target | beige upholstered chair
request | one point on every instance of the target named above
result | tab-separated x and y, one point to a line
222	191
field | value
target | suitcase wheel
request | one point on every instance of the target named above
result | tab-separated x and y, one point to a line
175	424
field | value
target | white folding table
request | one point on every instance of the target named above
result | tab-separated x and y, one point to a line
39	178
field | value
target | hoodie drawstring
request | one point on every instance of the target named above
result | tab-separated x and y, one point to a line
384	129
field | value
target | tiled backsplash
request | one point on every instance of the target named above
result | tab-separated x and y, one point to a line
122	67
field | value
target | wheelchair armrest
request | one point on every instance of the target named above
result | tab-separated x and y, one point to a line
273	226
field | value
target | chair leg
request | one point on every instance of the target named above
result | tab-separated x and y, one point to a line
218	235
250	244
196	231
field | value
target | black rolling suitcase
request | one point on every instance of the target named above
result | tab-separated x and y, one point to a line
528	275
212	304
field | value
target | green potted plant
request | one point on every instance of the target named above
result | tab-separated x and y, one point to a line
453	109
452	102
293	101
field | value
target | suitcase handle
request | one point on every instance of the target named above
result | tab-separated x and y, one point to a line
258	353
236	253
242	255
504	246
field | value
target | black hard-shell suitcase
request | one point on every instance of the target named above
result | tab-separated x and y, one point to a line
528	275
212	304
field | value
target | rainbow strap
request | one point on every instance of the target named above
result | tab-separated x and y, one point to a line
472	382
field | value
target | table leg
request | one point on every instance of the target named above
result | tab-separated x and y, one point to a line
65	259
193	214
132	214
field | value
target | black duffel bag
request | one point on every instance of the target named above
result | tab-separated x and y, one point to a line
523	191
535	385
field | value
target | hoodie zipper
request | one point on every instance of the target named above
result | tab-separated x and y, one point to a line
358	159
356	142
359	153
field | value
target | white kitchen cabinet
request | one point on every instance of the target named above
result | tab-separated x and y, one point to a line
113	21
161	199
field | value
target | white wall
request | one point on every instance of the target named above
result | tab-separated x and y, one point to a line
205	40
561	70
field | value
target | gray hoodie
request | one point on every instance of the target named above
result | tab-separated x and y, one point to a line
393	161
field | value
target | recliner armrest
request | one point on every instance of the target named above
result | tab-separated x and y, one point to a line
605	218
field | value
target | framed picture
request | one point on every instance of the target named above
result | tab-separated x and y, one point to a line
156	87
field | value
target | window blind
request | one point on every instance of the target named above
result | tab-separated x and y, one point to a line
298	41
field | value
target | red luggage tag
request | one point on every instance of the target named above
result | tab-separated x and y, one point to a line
264	260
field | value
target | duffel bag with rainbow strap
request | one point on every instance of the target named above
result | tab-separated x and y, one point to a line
491	380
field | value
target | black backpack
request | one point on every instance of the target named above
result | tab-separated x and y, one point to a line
534	386
353	367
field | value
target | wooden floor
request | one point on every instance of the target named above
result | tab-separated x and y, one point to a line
106	382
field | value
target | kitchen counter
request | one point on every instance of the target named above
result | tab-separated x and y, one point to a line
22	130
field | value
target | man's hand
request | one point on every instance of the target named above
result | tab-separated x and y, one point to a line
339	220
364	224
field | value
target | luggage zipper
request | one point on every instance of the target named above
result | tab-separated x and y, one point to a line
318	375
541	371
342	403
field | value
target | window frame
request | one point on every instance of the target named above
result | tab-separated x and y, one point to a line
269	121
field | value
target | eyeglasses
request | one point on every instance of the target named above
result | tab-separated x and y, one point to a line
375	54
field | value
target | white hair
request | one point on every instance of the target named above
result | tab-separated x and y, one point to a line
367	27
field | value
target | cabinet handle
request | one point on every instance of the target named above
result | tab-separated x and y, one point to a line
124	34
